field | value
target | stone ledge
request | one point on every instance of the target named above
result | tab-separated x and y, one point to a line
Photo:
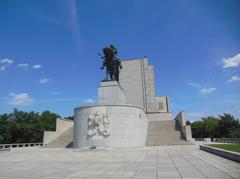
5	150
222	153
104	105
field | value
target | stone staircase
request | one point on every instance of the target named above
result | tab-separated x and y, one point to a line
164	133
64	140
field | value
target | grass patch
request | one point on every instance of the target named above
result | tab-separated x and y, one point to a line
230	147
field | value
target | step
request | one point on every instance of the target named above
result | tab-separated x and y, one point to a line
164	133
64	140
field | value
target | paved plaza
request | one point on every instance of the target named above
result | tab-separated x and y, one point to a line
138	163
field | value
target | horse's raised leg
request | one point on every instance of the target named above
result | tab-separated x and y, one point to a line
112	76
116	76
106	77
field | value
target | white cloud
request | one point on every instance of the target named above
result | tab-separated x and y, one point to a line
208	90
4	63
23	66
234	78
89	100
49	19
231	62
73	13
21	99
2	68
44	80
204	91
37	66
194	85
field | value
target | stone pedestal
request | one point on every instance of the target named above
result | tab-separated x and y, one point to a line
112	122
110	93
110	126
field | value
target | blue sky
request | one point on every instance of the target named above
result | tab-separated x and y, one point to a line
48	51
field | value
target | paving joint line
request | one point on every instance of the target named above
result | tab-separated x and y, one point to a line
211	165
192	164
141	163
173	163
216	156
157	165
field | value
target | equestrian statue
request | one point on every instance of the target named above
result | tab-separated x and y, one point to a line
111	62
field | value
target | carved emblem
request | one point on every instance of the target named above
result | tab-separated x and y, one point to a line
98	125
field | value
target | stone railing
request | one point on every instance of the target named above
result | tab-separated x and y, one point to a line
19	145
227	140
198	139
202	139
186	129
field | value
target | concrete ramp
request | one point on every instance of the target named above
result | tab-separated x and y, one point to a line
63	135
164	133
63	140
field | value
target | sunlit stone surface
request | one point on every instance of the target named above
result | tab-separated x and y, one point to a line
138	163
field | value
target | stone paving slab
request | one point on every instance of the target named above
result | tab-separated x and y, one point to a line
162	162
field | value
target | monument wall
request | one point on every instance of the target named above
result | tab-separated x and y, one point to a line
61	126
137	80
110	92
110	126
162	104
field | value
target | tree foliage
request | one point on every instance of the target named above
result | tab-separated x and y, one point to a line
70	118
216	127
24	127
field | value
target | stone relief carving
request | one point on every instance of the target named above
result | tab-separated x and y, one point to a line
98	125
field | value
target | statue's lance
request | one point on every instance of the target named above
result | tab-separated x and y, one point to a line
103	66
101	56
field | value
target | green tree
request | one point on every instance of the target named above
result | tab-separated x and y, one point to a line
211	126
198	129
227	123
223	126
69	117
234	133
22	127
4	132
48	120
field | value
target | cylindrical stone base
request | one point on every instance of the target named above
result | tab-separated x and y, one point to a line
109	126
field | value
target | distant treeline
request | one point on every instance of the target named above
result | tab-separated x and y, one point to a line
26	127
224	126
23	127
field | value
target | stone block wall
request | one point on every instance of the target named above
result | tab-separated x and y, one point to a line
62	125
186	129
110	92
127	125
137	80
162	104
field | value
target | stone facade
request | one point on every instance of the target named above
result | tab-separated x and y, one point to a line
162	104
112	123
138	81
110	92
128	114
62	125
127	125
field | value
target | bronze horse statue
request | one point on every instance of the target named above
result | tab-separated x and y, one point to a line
111	62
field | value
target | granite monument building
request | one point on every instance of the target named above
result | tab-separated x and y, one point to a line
138	81
128	113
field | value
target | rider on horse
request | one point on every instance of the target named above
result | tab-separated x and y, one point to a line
111	62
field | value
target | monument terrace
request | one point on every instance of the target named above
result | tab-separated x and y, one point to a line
129	134
128	113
